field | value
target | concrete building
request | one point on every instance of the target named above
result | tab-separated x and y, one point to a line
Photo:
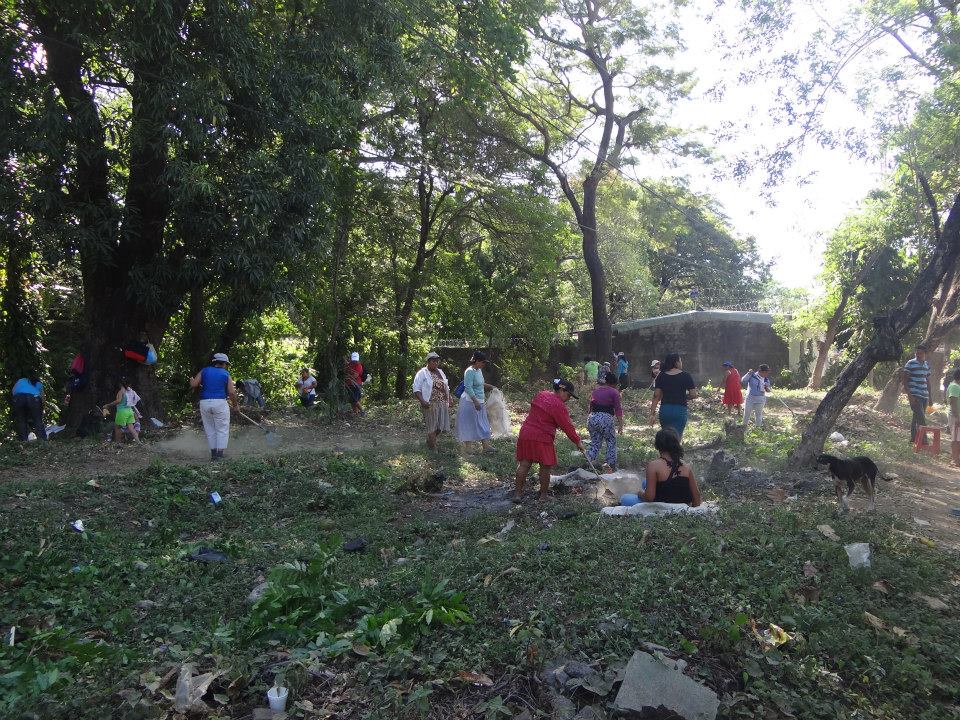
704	339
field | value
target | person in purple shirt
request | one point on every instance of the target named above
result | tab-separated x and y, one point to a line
604	407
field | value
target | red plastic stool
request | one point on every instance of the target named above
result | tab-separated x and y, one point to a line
922	431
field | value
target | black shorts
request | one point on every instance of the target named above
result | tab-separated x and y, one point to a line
624	381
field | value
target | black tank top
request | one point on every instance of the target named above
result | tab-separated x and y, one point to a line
675	489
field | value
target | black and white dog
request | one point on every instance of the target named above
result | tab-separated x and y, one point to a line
860	468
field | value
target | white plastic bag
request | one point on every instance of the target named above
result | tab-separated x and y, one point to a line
498	415
858	554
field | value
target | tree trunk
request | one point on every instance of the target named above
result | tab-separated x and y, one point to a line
602	329
891	391
885	344
195	341
823	348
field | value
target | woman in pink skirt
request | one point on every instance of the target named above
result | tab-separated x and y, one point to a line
548	412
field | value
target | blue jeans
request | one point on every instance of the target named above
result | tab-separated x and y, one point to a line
673	416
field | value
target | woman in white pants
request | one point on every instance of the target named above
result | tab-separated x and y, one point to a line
217	395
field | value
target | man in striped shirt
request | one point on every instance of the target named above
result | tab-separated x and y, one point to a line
916	383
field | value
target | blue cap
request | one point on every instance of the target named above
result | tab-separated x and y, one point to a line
727	363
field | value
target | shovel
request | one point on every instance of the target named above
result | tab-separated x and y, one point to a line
268	434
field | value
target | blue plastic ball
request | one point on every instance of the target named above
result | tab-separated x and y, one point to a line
629	499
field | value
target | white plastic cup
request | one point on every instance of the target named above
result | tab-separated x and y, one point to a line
277	698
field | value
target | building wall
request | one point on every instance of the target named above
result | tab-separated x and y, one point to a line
703	339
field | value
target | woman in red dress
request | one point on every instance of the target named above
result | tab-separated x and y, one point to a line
548	412
732	389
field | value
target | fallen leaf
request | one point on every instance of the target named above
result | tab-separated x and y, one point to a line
932	602
874	621
882	586
368	582
828	532
809	569
361	649
487	580
907	637
475	678
777	494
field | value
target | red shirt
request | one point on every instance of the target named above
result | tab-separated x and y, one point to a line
732	391
354	374
547	413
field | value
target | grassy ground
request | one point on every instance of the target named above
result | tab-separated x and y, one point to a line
106	619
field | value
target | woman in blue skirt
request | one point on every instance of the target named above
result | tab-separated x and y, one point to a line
672	389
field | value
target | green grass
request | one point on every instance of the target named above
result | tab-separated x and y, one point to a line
598	591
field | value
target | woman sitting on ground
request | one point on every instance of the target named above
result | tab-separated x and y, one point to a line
535	444
668	479
605	410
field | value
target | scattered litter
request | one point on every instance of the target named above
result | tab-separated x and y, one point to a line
921	522
191	689
543	547
156	423
828	532
955	512
651	509
773	636
576	453
859	555
139	565
207	555
277	698
355	545
809	569
95	484
77	526
621	483
54	429
12	635
498	537
836	437
932	602
882	586
215	498
146	604
257	593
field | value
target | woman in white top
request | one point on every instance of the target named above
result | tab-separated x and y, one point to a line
431	388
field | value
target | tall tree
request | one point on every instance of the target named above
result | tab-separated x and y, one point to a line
595	93
200	135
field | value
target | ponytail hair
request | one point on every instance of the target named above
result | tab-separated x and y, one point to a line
668	441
